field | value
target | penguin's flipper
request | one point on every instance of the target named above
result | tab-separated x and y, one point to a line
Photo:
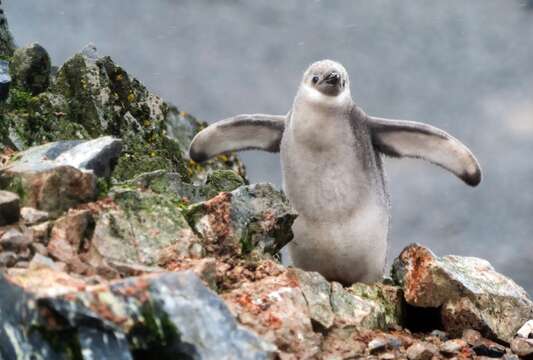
241	132
401	138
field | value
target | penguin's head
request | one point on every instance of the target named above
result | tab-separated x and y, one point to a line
328	77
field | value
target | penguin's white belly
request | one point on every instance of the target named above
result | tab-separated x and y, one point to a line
343	216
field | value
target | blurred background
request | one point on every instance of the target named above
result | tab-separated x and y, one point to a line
464	66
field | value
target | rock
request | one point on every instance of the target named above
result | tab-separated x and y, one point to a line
14	240
99	155
361	307
5	80
41	233
251	220
439	334
105	99
9	208
30	68
377	345
472	337
342	344
275	308
452	347
142	228
6	40
489	348
317	292
33	216
39	262
48	187
171	314
70	238
522	347
8	259
172	184
526	331
39	248
469	291
422	351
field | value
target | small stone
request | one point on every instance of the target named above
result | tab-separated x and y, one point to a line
22	264
452	347
388	356
41	233
7	259
14	240
39	248
489	348
30	68
526	331
33	216
377	345
472	337
522	347
439	334
421	351
39	262
9	208
67	239
510	357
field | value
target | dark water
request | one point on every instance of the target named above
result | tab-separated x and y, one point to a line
465	66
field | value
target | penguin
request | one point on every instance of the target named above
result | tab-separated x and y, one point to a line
331	159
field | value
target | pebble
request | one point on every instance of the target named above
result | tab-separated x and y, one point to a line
421	351
452	347
489	348
441	335
9	208
522	347
472	337
39	248
7	259
14	240
377	345
33	216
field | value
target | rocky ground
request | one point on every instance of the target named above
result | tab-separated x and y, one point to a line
114	245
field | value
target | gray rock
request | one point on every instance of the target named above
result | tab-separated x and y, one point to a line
30	68
9	208
169	315
5	80
470	293
14	240
98	155
422	351
33	216
49	187
39	261
452	347
7	259
251	220
143	228
377	345
317	293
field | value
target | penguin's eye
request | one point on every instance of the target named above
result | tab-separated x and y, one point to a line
315	79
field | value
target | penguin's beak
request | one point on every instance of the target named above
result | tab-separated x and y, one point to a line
333	78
